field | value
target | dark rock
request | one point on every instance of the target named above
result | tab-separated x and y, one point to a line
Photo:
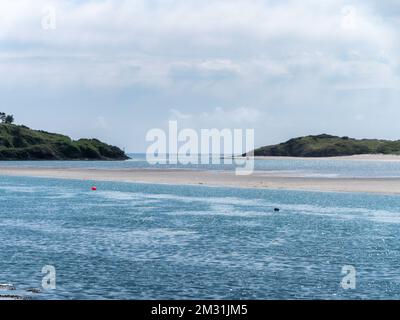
7	286
33	290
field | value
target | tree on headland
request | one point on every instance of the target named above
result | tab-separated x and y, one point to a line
9	119
6	118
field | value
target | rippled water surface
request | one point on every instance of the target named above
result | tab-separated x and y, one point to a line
135	241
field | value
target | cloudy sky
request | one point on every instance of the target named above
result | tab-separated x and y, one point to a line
115	69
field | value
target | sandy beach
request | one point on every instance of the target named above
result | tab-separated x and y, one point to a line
260	179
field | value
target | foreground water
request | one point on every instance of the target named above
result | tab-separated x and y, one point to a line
132	241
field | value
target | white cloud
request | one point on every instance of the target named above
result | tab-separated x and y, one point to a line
107	39
101	123
242	116
177	115
237	117
293	62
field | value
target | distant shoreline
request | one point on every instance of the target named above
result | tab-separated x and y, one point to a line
259	180
326	145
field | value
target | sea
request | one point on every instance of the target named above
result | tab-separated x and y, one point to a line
147	241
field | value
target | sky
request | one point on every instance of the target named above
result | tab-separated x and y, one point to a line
116	69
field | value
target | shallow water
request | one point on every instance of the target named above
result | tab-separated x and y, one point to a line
133	241
300	167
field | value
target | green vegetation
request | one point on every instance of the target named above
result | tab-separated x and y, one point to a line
6	118
21	143
329	146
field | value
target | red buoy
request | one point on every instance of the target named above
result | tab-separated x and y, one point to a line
94	188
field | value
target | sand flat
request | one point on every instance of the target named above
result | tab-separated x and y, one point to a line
260	179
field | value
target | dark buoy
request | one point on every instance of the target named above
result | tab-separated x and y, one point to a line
276	209
94	188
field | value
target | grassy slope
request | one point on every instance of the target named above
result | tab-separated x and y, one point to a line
22	143
329	146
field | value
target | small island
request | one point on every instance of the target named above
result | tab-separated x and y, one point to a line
18	142
325	145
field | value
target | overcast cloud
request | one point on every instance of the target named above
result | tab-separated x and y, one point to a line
115	69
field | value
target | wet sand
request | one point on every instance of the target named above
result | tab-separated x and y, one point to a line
260	179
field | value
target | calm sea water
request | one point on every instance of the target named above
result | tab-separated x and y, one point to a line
133	241
300	167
